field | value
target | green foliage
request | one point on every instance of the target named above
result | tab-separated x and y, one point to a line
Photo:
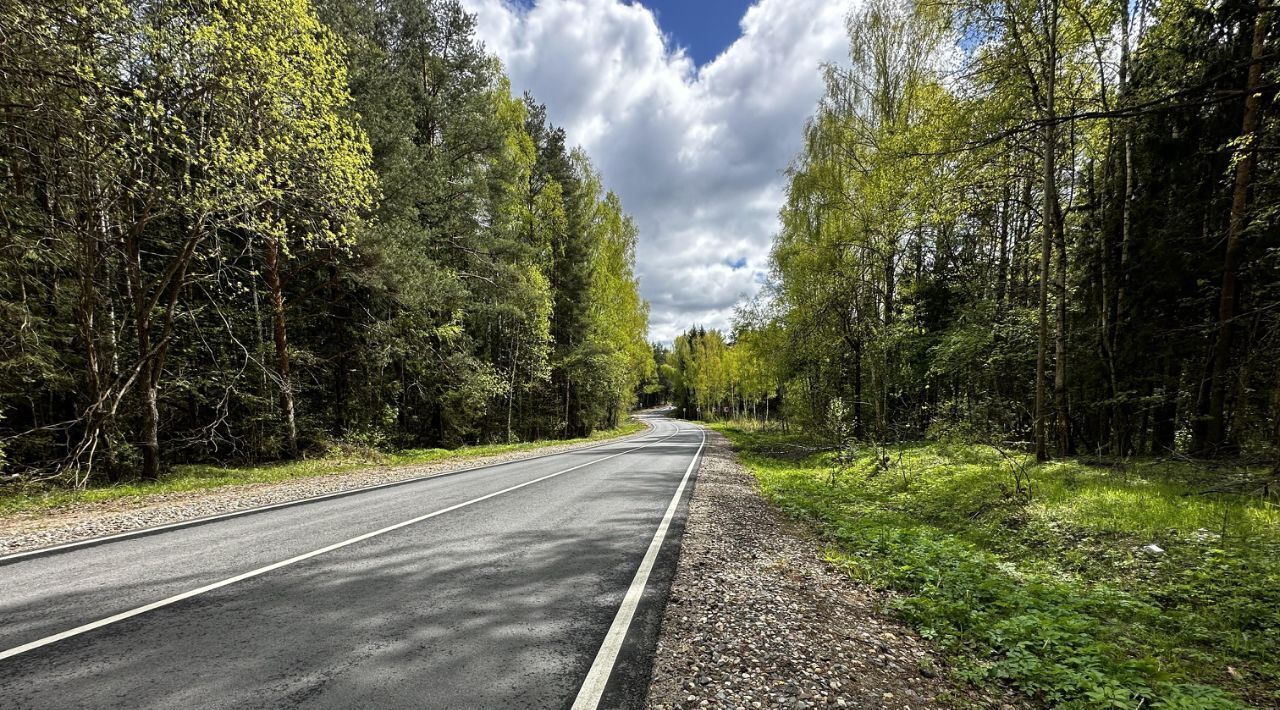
236	230
1052	592
1087	138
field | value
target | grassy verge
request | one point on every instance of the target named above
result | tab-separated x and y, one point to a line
32	498
1041	580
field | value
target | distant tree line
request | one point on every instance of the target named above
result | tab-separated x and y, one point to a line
1047	221
236	230
709	377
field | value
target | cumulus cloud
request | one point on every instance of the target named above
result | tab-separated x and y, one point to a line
697	154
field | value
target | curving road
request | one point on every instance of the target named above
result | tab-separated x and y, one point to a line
531	584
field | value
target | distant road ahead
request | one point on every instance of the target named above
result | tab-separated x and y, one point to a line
493	588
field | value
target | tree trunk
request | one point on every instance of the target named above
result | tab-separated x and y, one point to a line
1275	421
1164	428
511	386
568	429
890	273
94	417
857	391
152	351
1062	412
280	336
1048	219
1002	266
890	355
152	346
341	373
1046	241
149	433
1126	206
1111	418
1216	433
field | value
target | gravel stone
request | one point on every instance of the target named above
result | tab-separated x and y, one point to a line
29	531
756	619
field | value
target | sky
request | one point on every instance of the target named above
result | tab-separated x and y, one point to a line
703	28
692	111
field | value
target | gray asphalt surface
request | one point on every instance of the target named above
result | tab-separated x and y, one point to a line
499	604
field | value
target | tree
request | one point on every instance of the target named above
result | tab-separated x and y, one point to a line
991	194
1246	157
239	231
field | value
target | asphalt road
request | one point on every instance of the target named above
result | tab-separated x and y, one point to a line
491	588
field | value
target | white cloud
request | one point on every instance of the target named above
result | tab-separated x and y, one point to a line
697	154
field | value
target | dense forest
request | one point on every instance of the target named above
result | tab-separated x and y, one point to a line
240	231
1045	222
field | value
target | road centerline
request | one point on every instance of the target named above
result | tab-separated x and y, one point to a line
137	611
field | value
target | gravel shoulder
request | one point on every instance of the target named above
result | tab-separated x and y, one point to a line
756	619
29	531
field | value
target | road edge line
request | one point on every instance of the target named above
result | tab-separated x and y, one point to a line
597	679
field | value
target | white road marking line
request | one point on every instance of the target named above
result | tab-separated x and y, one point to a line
593	687
294	560
290	503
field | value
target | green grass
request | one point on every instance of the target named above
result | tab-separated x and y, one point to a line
1039	581
37	498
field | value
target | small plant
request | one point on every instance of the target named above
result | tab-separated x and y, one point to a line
840	439
1021	488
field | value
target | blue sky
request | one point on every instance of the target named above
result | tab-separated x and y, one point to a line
692	111
703	27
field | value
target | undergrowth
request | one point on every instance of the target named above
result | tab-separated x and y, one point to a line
1043	577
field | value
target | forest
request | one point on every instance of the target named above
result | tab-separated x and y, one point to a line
248	230
1048	223
1018	358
